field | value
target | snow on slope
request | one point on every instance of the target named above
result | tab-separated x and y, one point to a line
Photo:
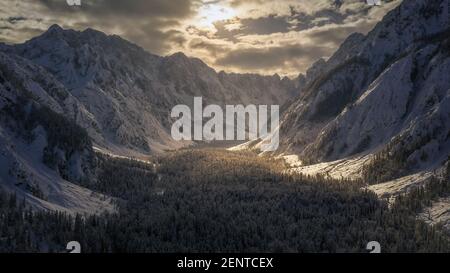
105	152
391	189
438	213
347	168
409	101
373	87
26	139
387	91
129	92
22	172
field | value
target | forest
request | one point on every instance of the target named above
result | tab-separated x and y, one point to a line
218	201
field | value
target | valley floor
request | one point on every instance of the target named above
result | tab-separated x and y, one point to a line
212	200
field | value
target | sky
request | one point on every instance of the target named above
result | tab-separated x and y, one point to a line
243	36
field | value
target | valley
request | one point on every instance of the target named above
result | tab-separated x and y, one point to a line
213	200
87	152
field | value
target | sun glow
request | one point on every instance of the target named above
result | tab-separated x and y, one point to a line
211	13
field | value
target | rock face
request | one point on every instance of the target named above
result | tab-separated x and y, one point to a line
386	93
126	93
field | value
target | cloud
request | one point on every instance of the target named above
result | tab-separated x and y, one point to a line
249	26
264	36
271	57
14	19
154	8
210	48
151	24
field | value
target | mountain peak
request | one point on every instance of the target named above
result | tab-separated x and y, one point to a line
57	31
55	27
179	55
90	32
54	30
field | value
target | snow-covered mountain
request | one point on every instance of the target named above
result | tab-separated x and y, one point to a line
386	93
378	108
126	93
66	91
41	148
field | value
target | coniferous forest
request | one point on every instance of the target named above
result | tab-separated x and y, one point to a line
218	201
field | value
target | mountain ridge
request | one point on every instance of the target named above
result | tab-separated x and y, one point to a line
65	92
89	63
342	82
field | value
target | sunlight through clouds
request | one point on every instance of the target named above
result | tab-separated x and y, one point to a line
208	14
226	34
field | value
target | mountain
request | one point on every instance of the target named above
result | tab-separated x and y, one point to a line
65	92
378	110
386	92
382	98
41	147
127	93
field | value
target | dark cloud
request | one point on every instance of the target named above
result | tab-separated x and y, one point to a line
198	32
213	49
271	57
153	39
273	23
151	24
159	8
15	19
237	3
334	36
265	25
252	26
323	17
